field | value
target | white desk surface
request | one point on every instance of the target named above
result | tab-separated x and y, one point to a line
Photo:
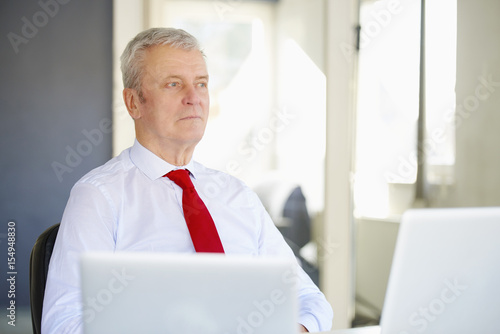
360	330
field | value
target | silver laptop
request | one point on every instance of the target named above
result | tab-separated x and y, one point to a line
445	275
187	293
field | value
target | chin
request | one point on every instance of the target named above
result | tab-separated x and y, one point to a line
193	138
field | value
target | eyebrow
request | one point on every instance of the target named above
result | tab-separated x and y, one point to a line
202	77
180	77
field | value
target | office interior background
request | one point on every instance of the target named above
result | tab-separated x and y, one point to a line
352	101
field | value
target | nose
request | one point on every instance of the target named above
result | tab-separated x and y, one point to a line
191	96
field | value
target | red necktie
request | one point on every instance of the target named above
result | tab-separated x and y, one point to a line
199	222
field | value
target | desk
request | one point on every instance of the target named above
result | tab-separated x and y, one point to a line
360	330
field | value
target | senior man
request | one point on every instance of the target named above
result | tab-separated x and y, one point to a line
136	201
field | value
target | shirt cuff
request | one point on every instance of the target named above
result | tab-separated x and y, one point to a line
310	322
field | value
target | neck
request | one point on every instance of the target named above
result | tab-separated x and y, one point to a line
173	154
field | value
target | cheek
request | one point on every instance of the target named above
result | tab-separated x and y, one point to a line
155	112
205	102
148	115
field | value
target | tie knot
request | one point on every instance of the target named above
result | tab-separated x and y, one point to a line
181	178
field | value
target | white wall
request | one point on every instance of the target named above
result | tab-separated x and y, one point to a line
337	249
128	20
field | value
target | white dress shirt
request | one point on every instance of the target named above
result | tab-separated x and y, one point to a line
127	205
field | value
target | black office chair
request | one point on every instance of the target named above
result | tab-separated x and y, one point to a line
39	267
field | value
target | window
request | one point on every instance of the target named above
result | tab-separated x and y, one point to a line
388	102
440	64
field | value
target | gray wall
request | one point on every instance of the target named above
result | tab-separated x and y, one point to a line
55	98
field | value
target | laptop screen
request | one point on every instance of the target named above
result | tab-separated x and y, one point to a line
445	273
187	293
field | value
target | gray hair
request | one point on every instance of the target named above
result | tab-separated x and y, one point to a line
133	55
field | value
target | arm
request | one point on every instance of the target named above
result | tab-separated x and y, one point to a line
87	225
315	313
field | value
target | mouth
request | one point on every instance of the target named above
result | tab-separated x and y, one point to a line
187	118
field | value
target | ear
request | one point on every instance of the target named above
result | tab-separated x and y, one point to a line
131	99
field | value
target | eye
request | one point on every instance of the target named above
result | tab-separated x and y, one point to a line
203	85
173	84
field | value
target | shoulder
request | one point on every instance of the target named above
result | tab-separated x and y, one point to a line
111	171
214	183
216	177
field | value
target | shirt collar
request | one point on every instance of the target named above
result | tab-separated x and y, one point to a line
152	165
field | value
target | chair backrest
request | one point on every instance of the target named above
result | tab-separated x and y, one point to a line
39	266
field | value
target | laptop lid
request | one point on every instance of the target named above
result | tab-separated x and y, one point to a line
445	275
188	294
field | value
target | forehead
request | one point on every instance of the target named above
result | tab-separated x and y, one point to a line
167	60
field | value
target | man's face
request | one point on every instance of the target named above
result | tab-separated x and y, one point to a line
175	93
